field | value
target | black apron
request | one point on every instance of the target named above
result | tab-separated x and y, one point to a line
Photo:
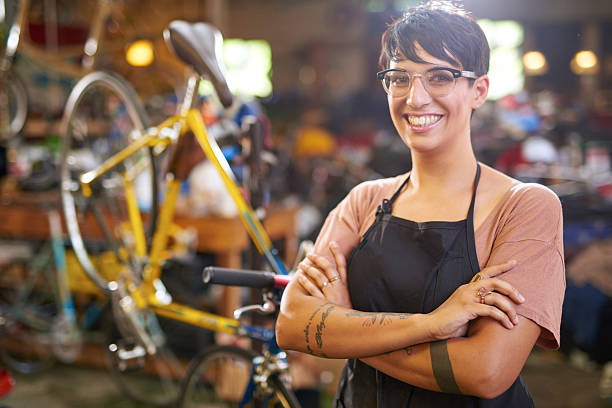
411	267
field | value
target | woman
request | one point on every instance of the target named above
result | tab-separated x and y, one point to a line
422	248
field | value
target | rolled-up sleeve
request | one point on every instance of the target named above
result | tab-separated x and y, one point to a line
531	232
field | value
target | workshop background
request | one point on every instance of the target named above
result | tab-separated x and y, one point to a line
306	70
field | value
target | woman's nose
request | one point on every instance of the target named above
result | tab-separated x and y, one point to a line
417	93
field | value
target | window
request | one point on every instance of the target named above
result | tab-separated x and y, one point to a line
506	66
248	64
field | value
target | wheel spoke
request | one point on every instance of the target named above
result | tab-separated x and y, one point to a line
101	118
28	306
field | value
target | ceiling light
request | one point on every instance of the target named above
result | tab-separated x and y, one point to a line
535	63
140	53
585	63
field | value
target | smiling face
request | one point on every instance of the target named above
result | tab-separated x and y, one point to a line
428	123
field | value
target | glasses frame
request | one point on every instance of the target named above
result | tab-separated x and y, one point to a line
411	75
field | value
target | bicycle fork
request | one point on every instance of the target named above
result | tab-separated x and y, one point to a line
264	367
67	338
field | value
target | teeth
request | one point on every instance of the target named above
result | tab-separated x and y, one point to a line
425	120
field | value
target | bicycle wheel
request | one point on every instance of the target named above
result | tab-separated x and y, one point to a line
28	308
286	398
222	377
13	106
151	378
102	117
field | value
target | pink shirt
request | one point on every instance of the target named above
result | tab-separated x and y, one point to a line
527	225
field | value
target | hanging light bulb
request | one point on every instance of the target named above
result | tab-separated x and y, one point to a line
535	63
586	59
584	63
140	53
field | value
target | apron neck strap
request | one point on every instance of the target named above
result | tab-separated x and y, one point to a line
387	204
470	216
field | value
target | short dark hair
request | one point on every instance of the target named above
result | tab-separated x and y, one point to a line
444	30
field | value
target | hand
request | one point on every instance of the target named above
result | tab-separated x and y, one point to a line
323	280
483	296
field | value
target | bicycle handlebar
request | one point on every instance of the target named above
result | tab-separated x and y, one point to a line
244	277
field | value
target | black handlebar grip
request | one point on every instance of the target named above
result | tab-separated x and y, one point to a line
244	277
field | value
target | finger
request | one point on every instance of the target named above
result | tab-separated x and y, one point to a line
316	276
479	276
503	304
310	287
303	266
494	313
305	262
340	260
324	265
318	260
505	288
495	270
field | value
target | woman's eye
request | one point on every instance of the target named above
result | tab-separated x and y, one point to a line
439	77
400	80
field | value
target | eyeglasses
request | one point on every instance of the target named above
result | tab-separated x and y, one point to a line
437	81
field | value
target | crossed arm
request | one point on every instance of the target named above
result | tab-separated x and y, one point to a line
422	350
484	364
321	328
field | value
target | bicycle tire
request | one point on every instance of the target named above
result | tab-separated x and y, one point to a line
152	379
283	394
28	308
16	108
219	378
101	113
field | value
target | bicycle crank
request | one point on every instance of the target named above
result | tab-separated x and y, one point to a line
134	323
67	339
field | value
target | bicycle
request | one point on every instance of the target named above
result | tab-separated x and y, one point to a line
104	163
14	96
227	375
38	317
64	64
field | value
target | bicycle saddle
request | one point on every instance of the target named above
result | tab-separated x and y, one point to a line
199	45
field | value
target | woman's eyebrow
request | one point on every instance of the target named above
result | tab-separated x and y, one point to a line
436	66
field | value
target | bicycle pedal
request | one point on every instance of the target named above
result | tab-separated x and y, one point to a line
67	340
128	359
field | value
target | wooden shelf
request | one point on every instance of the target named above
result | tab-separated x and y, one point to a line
24	216
40	128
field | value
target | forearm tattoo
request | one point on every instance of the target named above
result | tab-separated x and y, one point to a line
407	350
307	328
442	369
371	318
321	326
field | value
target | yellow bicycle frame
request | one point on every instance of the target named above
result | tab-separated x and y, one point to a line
146	294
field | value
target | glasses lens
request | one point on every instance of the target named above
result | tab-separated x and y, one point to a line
396	83
440	82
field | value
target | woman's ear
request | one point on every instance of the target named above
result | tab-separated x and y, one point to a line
480	91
